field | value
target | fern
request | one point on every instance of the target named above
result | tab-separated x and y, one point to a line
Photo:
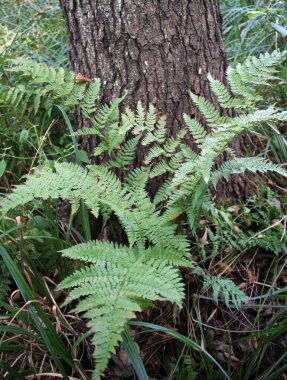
88	106
98	186
163	192
196	129
210	113
225	288
156	135
153	153
45	86
225	98
116	285
240	165
140	120
125	155
119	280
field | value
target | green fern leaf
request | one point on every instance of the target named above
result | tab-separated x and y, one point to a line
115	286
227	289
125	155
88	105
196	129
240	165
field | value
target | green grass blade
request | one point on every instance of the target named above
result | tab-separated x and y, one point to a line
17	331
50	337
189	342
84	216
133	354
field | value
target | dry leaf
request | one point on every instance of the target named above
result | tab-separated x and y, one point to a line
251	276
204	239
79	78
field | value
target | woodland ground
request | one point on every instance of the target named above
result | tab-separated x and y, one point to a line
249	342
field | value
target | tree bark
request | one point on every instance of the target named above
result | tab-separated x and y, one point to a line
157	50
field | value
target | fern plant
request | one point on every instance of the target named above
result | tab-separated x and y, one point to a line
120	280
35	85
226	288
191	182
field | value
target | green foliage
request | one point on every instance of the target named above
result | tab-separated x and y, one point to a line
226	288
189	177
241	165
185	369
34	29
252	27
122	279
43	86
5	280
118	283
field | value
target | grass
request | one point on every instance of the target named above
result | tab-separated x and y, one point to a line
35	29
25	30
253	27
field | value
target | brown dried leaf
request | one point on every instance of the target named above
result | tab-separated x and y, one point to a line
79	78
251	276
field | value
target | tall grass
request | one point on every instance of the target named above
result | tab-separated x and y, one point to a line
35	29
252	27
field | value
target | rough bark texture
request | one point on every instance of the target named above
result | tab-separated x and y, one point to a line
157	50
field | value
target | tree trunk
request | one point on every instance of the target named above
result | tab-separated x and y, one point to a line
157	50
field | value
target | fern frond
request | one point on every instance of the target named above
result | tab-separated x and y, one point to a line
231	152
160	131
196	129
116	285
150	118
240	165
137	179
108	114
194	207
55	86
225	99
188	153
125	155
88	105
240	89
76	95
217	142
156	135
210	113
163	192
139	119
153	153
149	139
85	131
255	71
183	173
173	143
175	161
260	70
154	226
227	289
159	169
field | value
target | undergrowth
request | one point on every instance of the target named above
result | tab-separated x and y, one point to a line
119	277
